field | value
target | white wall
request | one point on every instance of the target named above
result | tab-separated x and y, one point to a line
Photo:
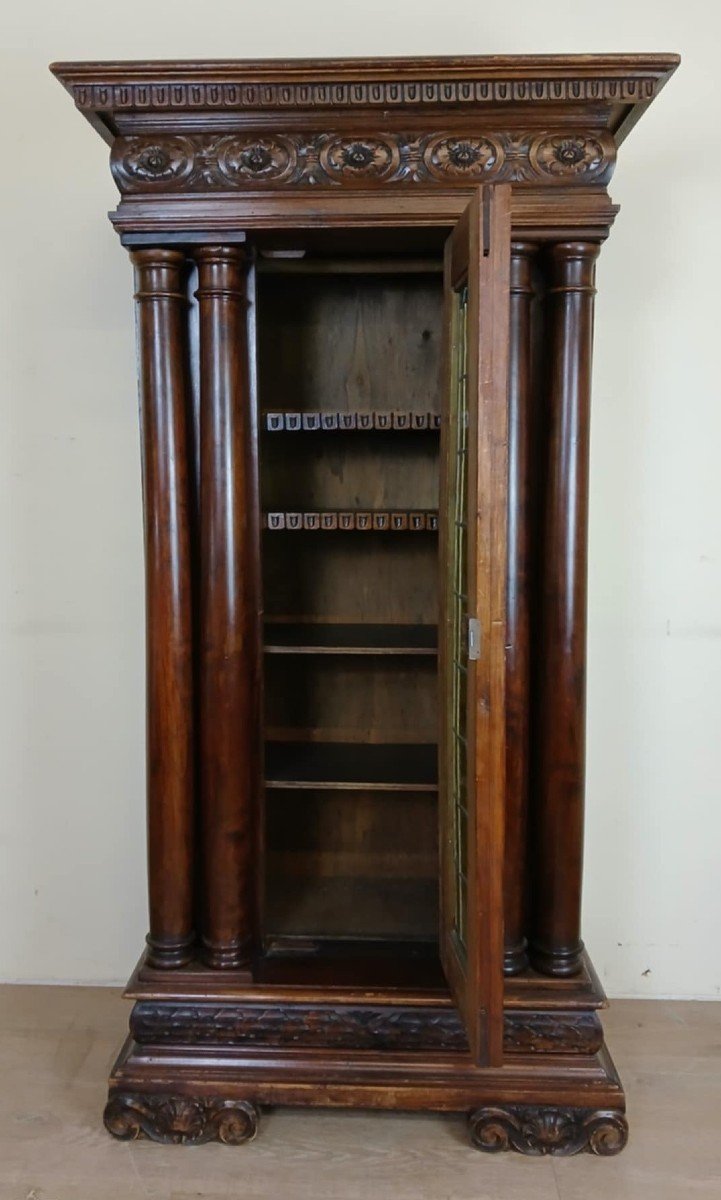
72	866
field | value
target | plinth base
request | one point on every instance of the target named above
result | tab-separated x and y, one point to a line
197	1069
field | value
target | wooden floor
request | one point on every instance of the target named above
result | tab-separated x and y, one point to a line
57	1044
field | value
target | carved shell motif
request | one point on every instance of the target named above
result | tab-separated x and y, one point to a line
462	157
544	1130
180	1120
572	155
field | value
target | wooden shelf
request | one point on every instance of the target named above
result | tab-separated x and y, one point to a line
349	766
360	961
380	421
351	639
280	264
348	908
411	521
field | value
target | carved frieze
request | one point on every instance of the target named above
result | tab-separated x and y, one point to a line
202	163
348	1027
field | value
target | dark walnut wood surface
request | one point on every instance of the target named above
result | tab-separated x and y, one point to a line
332	258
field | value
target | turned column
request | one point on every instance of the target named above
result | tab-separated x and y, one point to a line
164	418
228	684
520	517
556	945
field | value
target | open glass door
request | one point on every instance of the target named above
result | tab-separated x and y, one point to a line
473	513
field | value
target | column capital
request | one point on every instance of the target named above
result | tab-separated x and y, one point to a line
523	255
155	256
221	272
158	273
573	266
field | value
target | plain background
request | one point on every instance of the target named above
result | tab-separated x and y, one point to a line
72	853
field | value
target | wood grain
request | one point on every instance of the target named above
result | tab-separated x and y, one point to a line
164	417
228	686
558	798
522	421
325	891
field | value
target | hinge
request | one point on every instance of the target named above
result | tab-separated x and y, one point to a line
486	221
474	639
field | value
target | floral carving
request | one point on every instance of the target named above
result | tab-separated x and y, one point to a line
264	158
157	161
367	158
576	155
461	157
202	163
542	1129
182	1120
357	156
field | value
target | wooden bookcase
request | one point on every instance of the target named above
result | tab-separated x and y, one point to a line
364	299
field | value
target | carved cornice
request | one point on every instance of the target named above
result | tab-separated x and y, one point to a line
200	163
213	146
347	1027
169	97
242	87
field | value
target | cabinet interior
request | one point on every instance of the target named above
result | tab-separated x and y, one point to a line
349	379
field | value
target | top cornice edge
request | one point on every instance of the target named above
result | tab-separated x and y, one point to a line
625	83
328	70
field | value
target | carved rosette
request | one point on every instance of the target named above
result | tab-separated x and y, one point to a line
360	159
567	156
175	1120
203	163
160	162
542	1129
470	158
255	159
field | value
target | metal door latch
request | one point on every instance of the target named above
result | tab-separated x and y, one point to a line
474	639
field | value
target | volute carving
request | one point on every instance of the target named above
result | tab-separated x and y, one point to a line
180	1120
546	1129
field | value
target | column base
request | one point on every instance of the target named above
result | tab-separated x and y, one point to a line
230	956
559	964
169	953
515	958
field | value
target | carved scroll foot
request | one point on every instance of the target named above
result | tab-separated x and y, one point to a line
544	1129
180	1120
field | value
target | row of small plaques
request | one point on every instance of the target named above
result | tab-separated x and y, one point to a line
385	521
292	422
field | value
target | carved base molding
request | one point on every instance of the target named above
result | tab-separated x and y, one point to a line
352	1027
180	1120
538	1130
